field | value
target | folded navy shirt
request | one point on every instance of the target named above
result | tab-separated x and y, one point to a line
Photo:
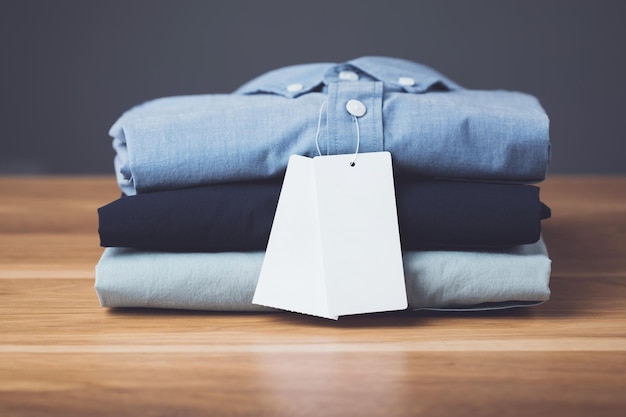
238	216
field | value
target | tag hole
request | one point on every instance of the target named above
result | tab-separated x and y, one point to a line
352	163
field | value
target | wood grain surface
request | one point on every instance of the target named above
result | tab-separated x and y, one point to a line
62	354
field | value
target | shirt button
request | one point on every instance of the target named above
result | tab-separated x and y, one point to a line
406	81
295	87
355	108
348	76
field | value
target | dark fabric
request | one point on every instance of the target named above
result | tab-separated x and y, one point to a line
238	217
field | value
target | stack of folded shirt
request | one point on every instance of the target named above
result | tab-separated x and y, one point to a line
201	176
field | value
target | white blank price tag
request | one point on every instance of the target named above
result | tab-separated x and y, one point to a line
334	248
362	257
292	277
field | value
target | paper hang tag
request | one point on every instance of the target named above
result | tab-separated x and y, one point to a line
334	248
292	277
358	222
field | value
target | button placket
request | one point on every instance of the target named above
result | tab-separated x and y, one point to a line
367	102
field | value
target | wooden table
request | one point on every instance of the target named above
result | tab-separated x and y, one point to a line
62	354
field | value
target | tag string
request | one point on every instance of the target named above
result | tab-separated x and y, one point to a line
358	140
319	126
317	133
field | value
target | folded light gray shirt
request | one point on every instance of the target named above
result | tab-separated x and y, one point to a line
226	281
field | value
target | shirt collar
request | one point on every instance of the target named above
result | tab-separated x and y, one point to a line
396	74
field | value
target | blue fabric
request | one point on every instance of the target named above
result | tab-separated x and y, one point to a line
442	280
432	126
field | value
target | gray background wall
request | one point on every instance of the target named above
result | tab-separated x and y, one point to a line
68	69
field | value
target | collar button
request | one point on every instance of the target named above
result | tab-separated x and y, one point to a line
295	87
406	81
348	76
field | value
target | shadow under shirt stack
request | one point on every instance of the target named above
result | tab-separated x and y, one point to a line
201	176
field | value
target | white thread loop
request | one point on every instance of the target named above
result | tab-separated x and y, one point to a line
319	127
358	140
317	133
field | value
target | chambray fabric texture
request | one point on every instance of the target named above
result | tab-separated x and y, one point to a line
226	281
432	126
239	216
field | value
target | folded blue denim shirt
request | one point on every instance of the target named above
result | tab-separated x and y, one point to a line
433	127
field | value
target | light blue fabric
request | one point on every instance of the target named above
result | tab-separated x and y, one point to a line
442	280
431	125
